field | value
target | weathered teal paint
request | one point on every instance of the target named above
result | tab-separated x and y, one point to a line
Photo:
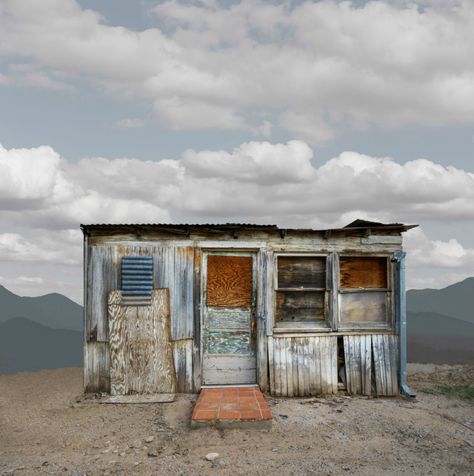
228	342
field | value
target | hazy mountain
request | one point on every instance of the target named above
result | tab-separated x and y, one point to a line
437	339
454	301
29	346
51	310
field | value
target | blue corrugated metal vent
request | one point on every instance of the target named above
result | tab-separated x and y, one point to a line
137	279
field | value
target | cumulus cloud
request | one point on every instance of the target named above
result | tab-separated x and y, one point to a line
306	67
436	263
43	198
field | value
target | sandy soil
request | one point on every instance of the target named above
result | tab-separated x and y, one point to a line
46	429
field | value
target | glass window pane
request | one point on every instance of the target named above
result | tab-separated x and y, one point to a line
363	308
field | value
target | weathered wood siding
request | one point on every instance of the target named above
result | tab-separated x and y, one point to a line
141	354
183	354
303	366
173	268
371	364
96	367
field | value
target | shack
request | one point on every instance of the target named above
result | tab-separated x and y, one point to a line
298	312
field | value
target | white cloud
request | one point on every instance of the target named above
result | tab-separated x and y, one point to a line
312	65
43	198
436	263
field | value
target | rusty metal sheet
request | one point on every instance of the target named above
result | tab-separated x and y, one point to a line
229	281
363	272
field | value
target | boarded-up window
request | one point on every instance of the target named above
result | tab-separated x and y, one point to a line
229	281
301	291
365	294
365	272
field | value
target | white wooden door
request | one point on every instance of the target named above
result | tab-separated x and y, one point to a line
228	320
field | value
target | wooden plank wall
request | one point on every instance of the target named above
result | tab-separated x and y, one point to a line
303	366
173	268
371	364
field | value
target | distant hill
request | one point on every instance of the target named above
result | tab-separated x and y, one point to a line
454	301
29	346
51	310
437	339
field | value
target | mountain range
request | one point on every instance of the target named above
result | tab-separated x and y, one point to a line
46	331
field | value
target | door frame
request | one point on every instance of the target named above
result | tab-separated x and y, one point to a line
256	299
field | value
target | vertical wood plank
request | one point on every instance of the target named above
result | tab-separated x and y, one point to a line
269	306
378	365
284	377
277	361
96	367
301	367
289	368
317	365
334	365
197	357
271	359
262	361
294	357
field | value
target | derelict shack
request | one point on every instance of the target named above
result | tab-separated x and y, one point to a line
297	311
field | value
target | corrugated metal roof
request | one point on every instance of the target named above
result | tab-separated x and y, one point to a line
221	227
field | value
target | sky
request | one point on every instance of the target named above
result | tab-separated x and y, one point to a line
295	113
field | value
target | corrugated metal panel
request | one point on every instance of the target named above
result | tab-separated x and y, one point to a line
137	279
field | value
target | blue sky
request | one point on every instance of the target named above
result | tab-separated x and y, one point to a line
292	113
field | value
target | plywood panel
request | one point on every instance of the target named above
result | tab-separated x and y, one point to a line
299	306
363	272
301	272
141	358
229	281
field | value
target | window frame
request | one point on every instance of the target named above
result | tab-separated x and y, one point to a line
388	323
300	326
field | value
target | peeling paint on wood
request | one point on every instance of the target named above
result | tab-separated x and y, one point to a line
141	358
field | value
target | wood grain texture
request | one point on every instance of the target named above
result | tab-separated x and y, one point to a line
96	367
363	272
141	353
300	306
229	281
301	272
183	363
368	356
303	366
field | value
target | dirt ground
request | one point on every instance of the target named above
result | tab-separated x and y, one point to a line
46	429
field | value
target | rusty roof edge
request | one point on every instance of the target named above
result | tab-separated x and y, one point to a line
215	227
